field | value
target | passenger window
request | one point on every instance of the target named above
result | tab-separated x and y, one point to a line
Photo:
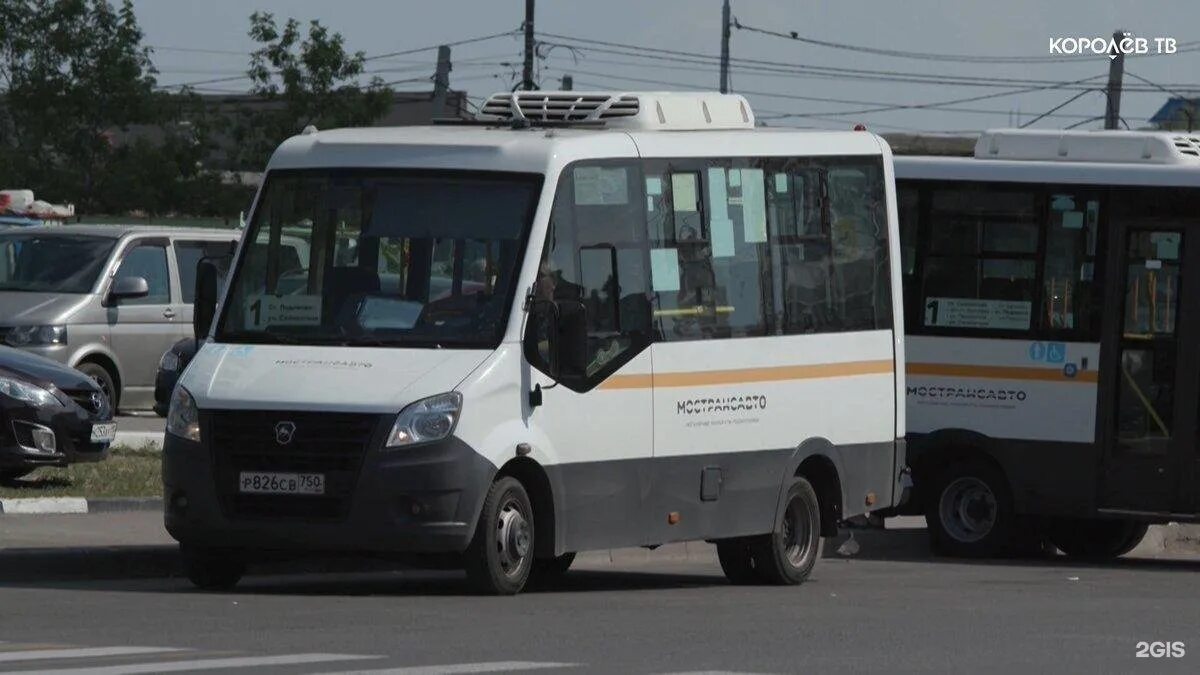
708	260
1068	285
148	261
982	266
595	254
830	247
188	255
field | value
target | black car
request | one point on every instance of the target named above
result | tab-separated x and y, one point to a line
170	367
50	415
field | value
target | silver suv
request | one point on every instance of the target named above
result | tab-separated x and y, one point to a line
106	299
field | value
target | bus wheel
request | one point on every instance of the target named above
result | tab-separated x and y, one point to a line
787	555
1096	539
737	561
211	569
500	556
970	511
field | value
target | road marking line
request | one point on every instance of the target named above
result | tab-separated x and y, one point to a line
457	668
81	653
714	672
33	505
210	664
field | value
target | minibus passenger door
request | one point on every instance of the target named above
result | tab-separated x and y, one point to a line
1152	427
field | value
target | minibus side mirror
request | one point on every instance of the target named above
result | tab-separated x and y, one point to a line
127	288
571	349
555	340
204	307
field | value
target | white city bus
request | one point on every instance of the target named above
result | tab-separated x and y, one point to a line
582	321
1053	374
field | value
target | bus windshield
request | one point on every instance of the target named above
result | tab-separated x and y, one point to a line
52	263
382	258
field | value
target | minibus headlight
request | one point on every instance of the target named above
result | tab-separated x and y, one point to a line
31	336
183	419
430	419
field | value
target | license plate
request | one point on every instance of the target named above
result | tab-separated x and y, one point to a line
104	433
261	482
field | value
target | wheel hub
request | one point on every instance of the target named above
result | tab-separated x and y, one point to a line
968	509
514	539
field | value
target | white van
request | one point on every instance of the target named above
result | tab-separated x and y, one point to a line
582	321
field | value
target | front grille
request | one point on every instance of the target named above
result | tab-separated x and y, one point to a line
88	399
333	444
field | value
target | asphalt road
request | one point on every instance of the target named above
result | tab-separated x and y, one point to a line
853	616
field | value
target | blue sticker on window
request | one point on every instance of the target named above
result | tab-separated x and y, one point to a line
1056	352
1037	351
1070	370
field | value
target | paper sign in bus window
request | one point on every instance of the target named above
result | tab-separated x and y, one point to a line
284	310
654	185
977	313
721	226
683	192
754	206
1072	220
664	269
781	183
601	186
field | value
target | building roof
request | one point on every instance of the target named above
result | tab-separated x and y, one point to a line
1175	110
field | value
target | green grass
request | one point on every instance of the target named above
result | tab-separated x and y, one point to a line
128	472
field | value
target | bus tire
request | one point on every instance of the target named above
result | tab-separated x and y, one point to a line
787	555
1096	539
969	512
212	569
737	561
500	556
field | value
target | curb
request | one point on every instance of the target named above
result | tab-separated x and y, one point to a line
37	506
139	440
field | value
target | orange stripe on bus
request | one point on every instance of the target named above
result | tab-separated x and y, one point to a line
745	375
1000	372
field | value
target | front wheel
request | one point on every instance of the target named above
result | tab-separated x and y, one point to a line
787	555
212	569
500	556
1096	539
969	511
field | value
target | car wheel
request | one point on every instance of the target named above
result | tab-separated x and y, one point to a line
500	556
969	511
212	569
787	555
1096	539
102	377
737	561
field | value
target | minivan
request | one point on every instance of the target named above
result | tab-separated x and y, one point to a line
106	299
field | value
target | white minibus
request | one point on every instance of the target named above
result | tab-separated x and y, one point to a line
1053	375
579	321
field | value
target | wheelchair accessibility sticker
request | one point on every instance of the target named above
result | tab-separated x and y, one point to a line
1050	352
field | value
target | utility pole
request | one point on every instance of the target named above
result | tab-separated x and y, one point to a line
568	83
1116	71
441	82
725	47
527	74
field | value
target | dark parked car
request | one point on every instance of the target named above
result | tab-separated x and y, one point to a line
50	415
170	367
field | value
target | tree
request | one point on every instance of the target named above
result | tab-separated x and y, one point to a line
75	76
301	80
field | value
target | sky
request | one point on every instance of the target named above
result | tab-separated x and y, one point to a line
200	40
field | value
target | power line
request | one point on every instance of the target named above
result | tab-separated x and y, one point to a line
925	56
828	72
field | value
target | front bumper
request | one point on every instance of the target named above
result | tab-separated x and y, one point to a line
424	499
72	427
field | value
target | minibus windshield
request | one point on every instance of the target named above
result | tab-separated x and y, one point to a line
382	258
54	263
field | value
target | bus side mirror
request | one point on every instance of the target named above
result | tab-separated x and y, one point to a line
204	307
555	340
